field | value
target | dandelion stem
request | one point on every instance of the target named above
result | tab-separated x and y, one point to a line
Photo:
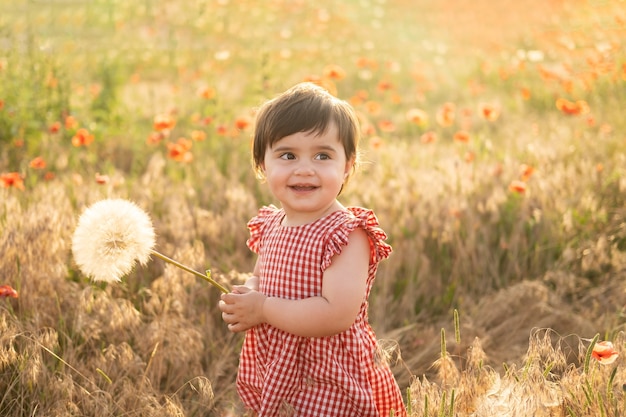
186	268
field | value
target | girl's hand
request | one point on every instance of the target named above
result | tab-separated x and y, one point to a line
242	309
253	283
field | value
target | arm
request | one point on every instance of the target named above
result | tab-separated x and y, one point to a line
253	282
343	289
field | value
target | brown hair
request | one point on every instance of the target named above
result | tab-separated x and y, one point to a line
305	107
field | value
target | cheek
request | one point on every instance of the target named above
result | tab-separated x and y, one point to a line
275	173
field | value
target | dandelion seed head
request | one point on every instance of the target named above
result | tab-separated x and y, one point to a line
110	237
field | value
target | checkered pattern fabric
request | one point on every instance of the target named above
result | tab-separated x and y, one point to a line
281	374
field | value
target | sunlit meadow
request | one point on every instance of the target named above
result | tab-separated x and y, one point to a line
494	154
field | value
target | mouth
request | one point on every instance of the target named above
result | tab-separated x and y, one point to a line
303	187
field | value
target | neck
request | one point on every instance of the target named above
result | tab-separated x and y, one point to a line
300	218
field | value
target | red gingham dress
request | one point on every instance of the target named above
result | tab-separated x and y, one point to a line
281	374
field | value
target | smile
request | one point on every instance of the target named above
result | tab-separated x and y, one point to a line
303	187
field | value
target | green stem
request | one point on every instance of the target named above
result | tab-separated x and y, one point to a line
589	352
186	268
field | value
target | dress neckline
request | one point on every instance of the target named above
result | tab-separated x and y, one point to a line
319	219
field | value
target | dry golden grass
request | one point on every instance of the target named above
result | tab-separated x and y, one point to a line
154	344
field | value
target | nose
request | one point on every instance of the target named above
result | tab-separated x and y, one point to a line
304	168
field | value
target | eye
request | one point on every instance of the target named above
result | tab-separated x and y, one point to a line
287	155
322	156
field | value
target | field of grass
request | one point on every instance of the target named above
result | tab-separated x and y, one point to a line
494	154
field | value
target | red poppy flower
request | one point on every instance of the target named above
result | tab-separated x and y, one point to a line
102	179
207	93
198	135
163	122
517	186
12	179
205	121
488	112
37	163
417	116
384	85
71	123
364	62
334	72
526	171
359	98
376	142
242	123
54	127
221	130
428	137
572	108
82	138
6	291
604	352
179	151
386	126
461	136
373	107
445	114
155	138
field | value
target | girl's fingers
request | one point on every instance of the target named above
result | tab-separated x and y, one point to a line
241	289
223	306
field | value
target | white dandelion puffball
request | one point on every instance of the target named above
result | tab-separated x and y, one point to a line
110	237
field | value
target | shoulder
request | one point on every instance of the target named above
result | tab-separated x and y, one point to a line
359	225
352	218
266	214
261	223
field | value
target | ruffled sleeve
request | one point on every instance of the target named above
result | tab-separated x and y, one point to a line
257	225
357	217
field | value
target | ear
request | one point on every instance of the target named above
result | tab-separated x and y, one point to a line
349	167
260	171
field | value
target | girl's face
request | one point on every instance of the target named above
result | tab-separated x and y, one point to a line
305	172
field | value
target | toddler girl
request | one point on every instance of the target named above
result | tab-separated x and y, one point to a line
309	349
